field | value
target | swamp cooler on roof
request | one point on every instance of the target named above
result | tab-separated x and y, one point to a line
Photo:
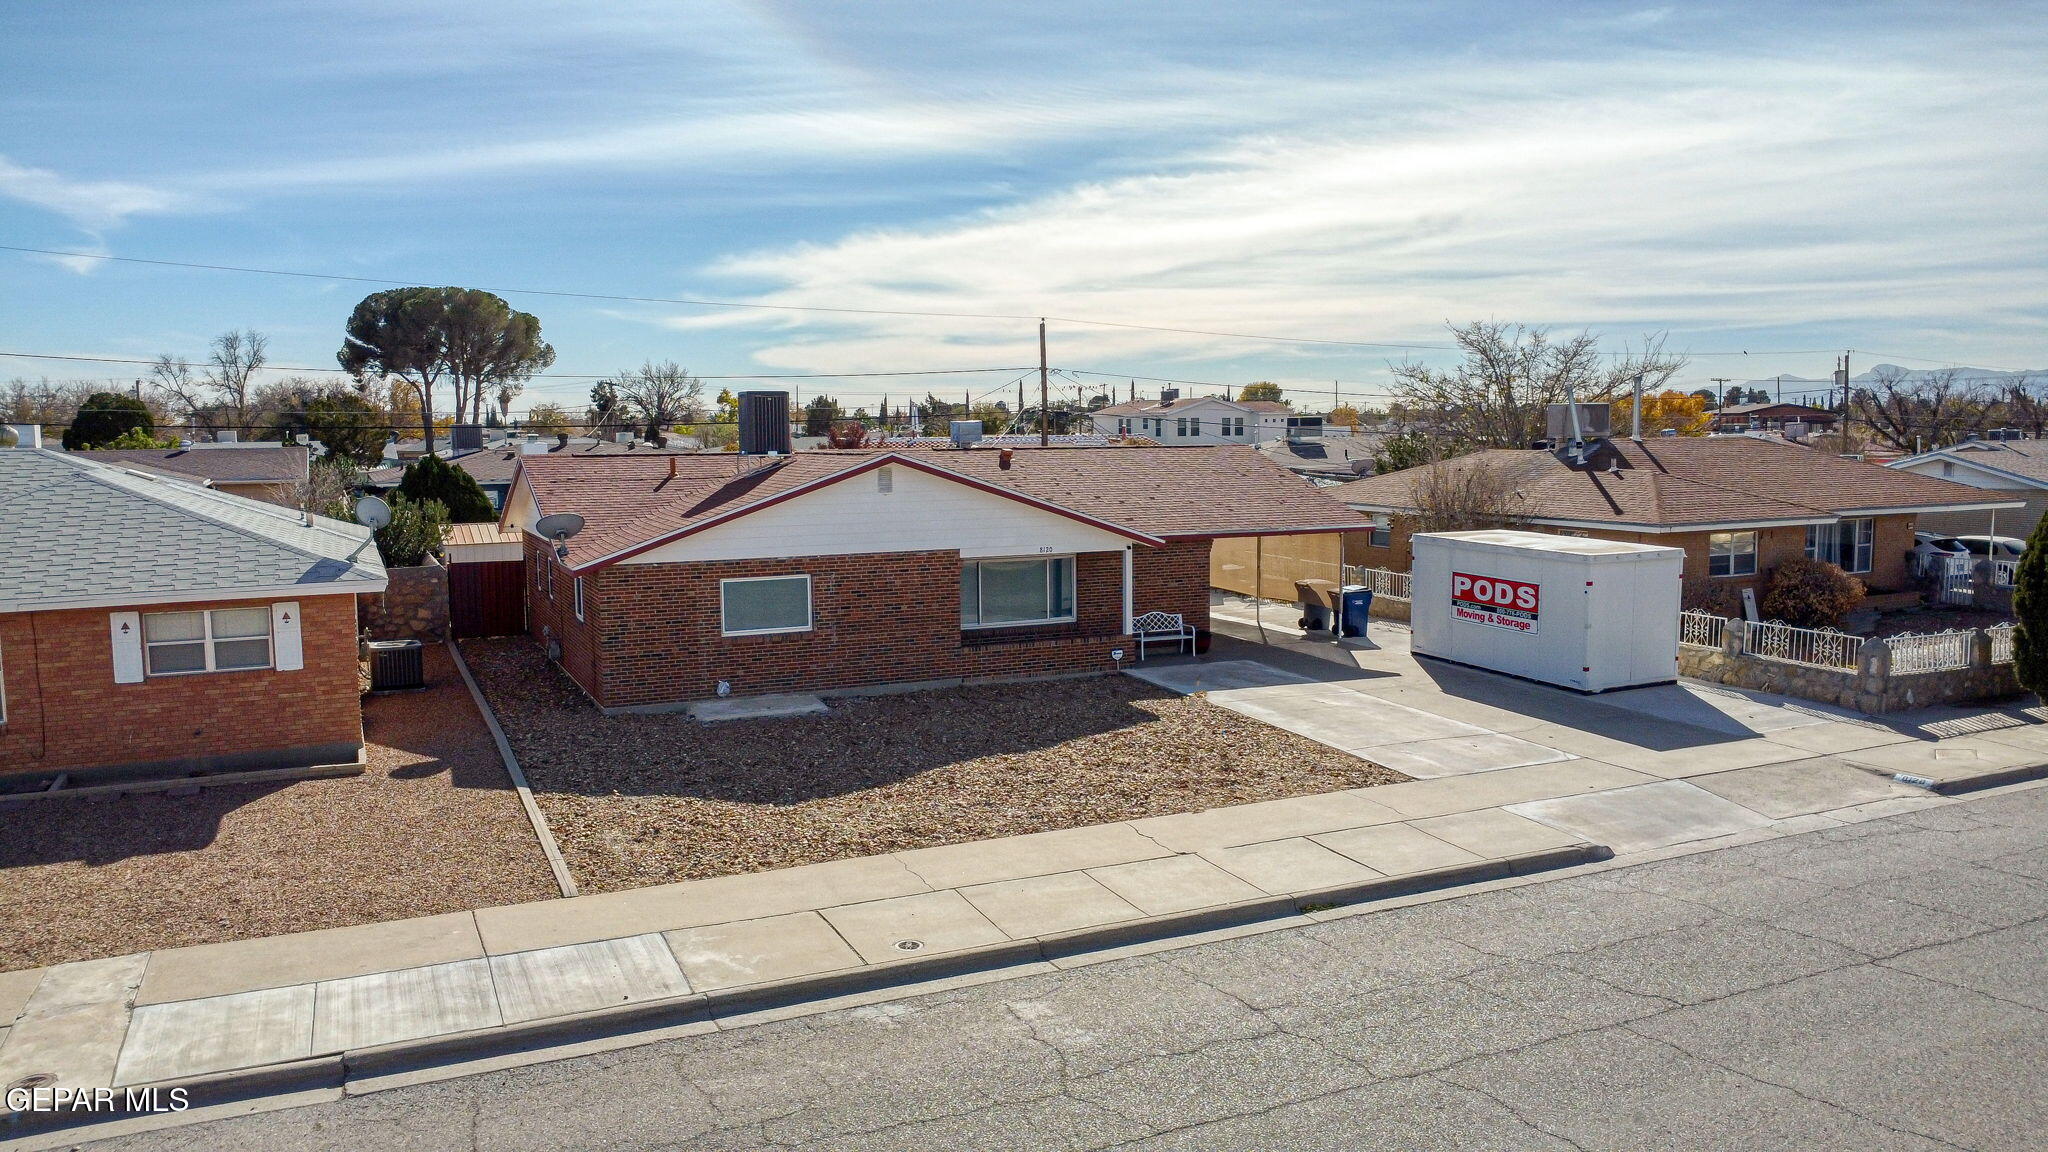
1590	615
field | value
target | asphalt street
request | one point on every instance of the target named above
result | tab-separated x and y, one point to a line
1875	986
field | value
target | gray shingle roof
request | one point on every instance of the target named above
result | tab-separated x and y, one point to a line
226	463
82	534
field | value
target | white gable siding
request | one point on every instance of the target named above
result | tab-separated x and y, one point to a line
920	513
1962	471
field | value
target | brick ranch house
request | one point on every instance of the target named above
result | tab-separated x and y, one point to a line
151	626
1737	505
837	570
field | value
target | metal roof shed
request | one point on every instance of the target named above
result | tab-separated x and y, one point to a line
1590	615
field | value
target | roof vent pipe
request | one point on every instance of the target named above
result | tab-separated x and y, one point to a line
1578	444
1007	455
1635	429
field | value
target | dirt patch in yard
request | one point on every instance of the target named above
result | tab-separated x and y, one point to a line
638	800
433	826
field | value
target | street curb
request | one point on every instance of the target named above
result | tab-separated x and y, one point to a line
337	1069
2015	775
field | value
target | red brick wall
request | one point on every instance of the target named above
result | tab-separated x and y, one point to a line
556	618
64	710
652	631
1173	578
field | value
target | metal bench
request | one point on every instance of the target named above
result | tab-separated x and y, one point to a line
1160	628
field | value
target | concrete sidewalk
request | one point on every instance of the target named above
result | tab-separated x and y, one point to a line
1511	778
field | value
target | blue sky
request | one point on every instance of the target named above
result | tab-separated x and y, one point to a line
1767	178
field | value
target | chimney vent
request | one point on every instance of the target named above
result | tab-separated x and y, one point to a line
1008	455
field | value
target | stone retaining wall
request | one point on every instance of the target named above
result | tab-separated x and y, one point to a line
1871	688
414	607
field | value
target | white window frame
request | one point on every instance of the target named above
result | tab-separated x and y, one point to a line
1181	423
577	590
1849	544
810	605
1382	531
1073	570
207	641
1732	555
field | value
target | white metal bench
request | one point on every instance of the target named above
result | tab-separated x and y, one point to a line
1161	628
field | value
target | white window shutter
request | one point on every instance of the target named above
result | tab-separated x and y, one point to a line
126	629
287	652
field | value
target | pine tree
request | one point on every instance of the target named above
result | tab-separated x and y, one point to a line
432	478
2030	607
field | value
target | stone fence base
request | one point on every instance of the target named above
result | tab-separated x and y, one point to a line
413	607
1871	688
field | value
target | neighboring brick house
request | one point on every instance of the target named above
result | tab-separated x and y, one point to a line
1771	417
149	625
837	570
268	472
1738	505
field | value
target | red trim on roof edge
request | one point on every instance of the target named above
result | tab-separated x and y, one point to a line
858	469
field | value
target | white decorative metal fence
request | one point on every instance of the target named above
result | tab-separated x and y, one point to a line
1701	629
2001	642
2004	572
1956	586
1815	647
1385	584
1932	651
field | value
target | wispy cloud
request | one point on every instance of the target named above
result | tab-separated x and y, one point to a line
1697	202
91	204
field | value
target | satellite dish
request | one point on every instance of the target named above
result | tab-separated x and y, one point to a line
372	513
560	526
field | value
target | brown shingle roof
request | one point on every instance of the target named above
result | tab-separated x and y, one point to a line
283	464
1153	493
1675	481
2027	458
497	464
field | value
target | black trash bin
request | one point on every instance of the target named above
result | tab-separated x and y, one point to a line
396	665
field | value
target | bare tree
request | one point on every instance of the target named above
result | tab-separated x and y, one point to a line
1911	411
220	399
1497	394
661	396
1478	490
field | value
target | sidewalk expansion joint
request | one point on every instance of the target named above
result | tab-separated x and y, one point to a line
730	1007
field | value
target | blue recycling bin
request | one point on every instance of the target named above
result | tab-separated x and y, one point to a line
1354	609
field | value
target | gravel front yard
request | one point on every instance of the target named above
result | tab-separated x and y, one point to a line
637	800
433	826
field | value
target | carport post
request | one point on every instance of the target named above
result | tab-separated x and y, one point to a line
1130	623
1259	582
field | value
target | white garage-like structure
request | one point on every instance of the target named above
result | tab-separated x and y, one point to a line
1591	615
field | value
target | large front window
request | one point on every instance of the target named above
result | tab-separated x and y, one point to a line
1848	545
224	640
763	605
1731	554
1006	593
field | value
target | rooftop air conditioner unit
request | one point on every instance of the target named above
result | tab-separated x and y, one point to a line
966	433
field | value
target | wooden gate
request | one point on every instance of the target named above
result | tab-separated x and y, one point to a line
487	598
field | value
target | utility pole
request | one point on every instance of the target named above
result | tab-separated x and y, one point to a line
1044	390
1779	391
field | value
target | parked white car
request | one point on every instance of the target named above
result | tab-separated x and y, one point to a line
1931	549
